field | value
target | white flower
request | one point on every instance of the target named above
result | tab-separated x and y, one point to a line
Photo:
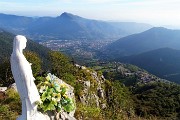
54	99
48	77
42	89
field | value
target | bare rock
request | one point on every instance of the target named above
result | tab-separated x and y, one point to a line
13	86
70	94
3	89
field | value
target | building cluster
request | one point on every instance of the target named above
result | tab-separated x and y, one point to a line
74	44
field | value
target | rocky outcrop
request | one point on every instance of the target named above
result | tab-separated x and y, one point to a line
70	93
13	86
93	92
3	89
52	115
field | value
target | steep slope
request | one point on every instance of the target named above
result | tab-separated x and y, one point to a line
164	63
151	95
6	40
152	39
100	99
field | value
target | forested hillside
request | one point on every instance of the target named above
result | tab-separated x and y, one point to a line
152	39
6	40
152	97
37	51
112	91
164	63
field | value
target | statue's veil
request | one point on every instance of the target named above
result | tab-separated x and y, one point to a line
16	43
17	62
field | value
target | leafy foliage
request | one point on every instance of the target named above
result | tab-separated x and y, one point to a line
37	51
60	64
157	99
6	78
123	102
88	112
120	103
152	100
10	107
54	96
35	60
6	40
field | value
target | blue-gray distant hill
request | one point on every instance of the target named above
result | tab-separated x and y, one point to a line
69	26
131	27
156	50
14	23
152	39
164	63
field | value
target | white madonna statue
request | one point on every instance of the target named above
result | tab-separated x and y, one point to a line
22	73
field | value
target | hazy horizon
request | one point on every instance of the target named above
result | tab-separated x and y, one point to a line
154	12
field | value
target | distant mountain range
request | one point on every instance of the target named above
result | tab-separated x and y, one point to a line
164	63
151	39
131	27
156	50
69	26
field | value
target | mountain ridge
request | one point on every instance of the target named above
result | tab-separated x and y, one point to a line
97	97
163	62
154	38
65	26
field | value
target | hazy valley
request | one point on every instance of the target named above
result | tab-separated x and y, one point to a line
87	40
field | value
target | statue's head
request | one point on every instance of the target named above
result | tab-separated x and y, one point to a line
19	43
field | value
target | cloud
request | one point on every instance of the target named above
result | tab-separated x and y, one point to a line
135	2
91	1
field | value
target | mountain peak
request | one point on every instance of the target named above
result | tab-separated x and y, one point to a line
67	15
158	29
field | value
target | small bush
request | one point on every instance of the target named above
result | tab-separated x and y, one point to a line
10	107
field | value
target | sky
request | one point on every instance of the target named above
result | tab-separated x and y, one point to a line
154	12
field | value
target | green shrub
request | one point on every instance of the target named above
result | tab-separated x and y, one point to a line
10	108
88	112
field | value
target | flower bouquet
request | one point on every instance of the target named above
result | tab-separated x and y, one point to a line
54	95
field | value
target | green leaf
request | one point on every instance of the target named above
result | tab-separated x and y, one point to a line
69	107
45	96
51	106
63	90
54	101
59	107
63	102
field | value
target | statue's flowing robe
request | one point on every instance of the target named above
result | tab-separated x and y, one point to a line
24	79
22	73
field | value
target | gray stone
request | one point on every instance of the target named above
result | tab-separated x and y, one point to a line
87	84
70	94
13	86
3	89
101	93
103	106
